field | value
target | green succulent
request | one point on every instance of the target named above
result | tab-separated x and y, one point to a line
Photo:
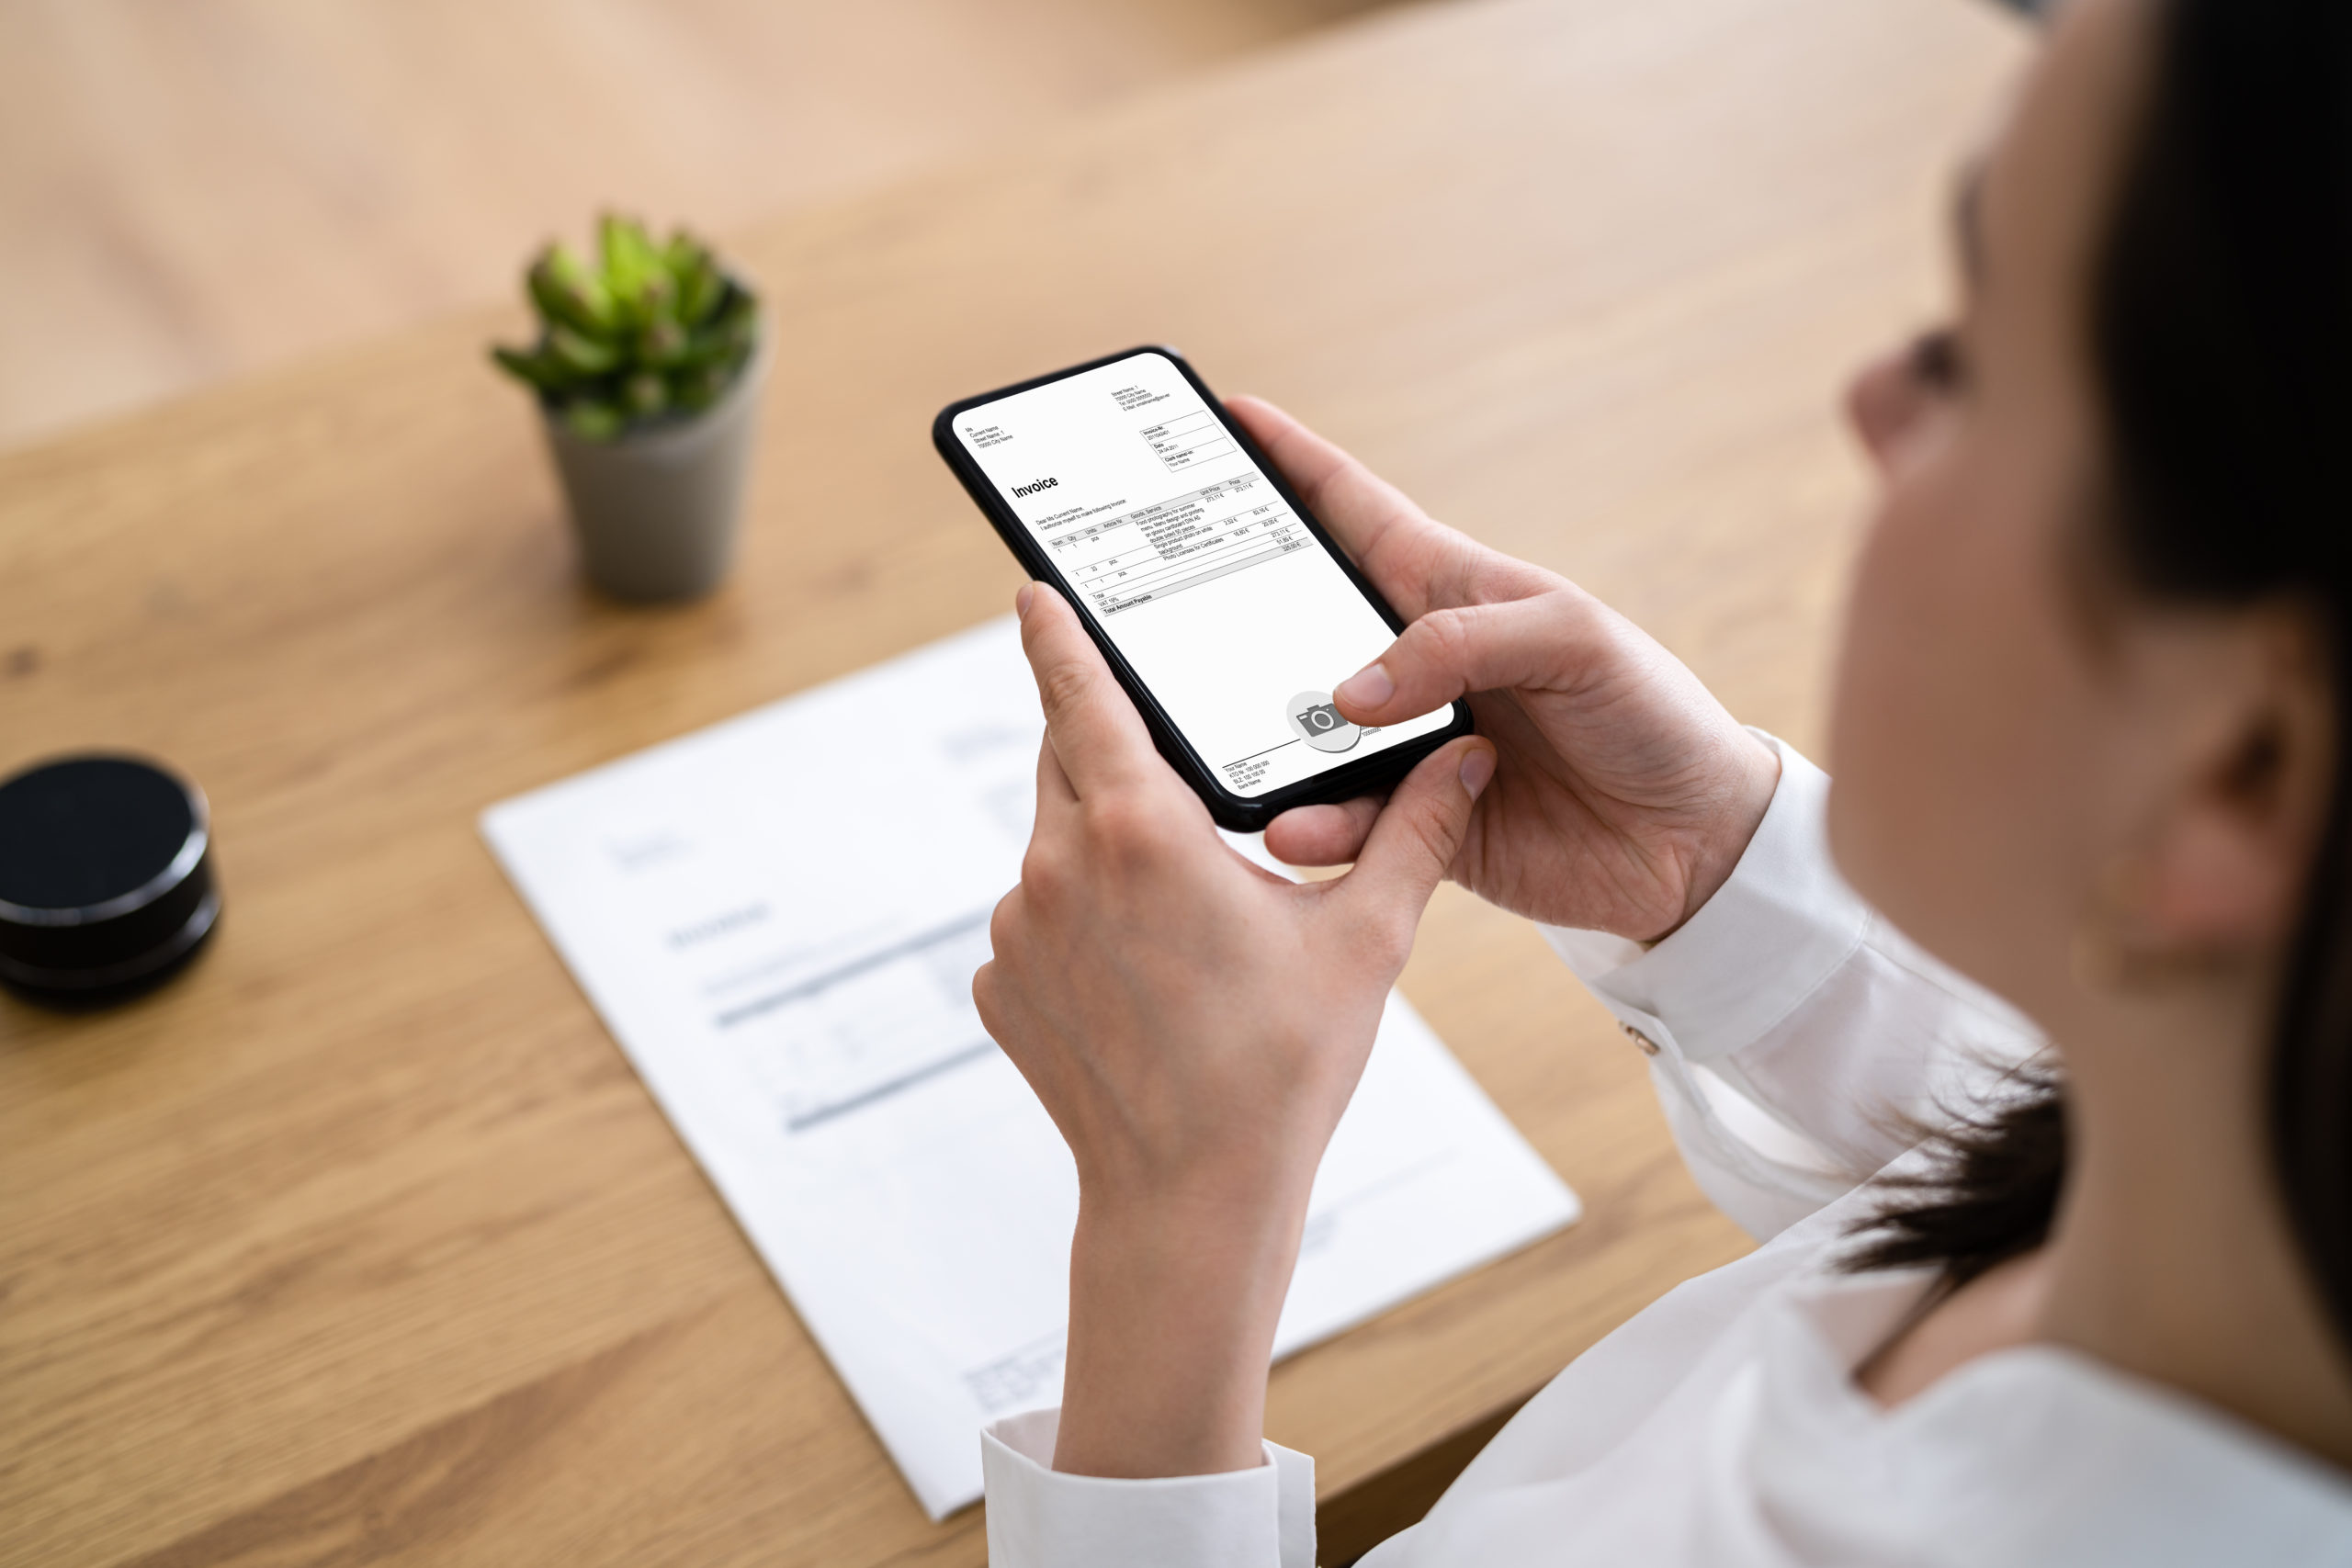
652	330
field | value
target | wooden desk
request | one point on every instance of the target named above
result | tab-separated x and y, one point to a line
362	1243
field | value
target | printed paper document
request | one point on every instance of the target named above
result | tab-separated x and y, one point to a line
779	917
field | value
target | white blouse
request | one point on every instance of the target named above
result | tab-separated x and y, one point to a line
1721	1426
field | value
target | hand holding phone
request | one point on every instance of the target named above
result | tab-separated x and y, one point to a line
1194	1027
1624	794
1219	601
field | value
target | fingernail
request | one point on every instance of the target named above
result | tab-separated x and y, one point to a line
1477	767
1021	600
1367	688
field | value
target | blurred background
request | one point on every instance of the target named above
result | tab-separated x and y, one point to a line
193	188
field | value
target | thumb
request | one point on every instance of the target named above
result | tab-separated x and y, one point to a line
1417	835
1539	641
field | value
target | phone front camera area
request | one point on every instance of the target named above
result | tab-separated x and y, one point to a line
1178	547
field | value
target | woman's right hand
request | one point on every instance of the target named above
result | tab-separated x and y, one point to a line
1624	794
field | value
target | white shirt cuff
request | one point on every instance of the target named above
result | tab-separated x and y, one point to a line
1784	923
1772	935
1040	1517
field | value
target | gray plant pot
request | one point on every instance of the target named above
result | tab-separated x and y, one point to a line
655	510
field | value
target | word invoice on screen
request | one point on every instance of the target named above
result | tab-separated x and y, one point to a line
1180	549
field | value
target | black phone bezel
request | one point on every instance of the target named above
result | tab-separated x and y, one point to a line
1241	814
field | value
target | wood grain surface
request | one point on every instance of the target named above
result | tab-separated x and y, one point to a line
361	1243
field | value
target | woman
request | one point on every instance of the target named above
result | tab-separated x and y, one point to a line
2096	672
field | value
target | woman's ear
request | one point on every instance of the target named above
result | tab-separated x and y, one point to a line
2223	874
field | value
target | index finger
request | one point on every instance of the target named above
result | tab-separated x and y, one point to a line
1393	541
1096	732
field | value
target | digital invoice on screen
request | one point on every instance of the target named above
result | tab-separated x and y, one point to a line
1222	605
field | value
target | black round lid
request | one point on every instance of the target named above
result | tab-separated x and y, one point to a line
105	876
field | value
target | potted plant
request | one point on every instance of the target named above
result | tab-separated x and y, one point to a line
647	369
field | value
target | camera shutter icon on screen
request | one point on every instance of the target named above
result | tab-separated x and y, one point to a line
1319	724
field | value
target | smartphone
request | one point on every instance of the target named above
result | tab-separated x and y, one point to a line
1217	600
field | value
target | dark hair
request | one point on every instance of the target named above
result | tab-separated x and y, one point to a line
2221	340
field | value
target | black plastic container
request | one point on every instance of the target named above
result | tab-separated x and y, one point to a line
105	878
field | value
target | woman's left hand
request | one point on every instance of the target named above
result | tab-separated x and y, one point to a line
1194	1025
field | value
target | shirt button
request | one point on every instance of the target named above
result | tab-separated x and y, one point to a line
1648	1045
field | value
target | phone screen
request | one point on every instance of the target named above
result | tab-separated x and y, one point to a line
1181	550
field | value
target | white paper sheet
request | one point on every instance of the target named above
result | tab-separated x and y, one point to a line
778	918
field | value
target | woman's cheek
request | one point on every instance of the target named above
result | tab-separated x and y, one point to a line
1896	724
1959	725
